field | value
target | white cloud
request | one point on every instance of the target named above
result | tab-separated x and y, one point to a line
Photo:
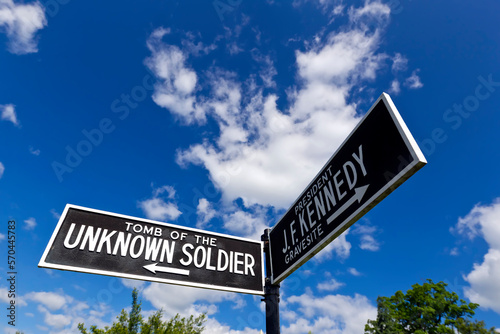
268	71
246	224
2	236
196	49
331	7
30	224
354	272
161	206
332	314
67	318
168	190
345	56
9	113
372	10
51	272
158	209
55	214
454	251
395	87
79	288
212	326
482	221
62	313
132	283
337	10
2	169
52	300
205	212
367	238
399	63
231	36
330	285
57	321
414	81
33	151
483	280
10	330
176	88
368	242
185	300
340	246
21	22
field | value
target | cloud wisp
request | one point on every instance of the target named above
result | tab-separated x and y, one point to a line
482	221
161	206
21	22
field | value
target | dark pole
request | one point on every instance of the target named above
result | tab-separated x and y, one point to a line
272	293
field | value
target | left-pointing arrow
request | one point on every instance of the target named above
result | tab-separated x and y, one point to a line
154	269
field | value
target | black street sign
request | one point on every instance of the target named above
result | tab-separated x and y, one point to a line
98	242
378	156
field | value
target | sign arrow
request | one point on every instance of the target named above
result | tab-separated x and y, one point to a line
154	268
359	193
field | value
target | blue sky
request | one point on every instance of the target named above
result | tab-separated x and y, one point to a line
217	114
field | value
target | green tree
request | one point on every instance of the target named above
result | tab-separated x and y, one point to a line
425	309
135	318
175	325
133	323
466	326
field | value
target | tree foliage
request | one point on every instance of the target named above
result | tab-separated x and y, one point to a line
425	309
133	323
466	326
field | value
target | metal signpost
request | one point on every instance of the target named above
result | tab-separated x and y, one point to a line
98	242
378	156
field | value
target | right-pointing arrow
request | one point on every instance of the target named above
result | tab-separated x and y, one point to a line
358	195
154	268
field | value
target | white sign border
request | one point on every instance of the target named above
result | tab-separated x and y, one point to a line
418	162
44	264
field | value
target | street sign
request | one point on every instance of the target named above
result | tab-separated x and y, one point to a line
378	156
104	243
